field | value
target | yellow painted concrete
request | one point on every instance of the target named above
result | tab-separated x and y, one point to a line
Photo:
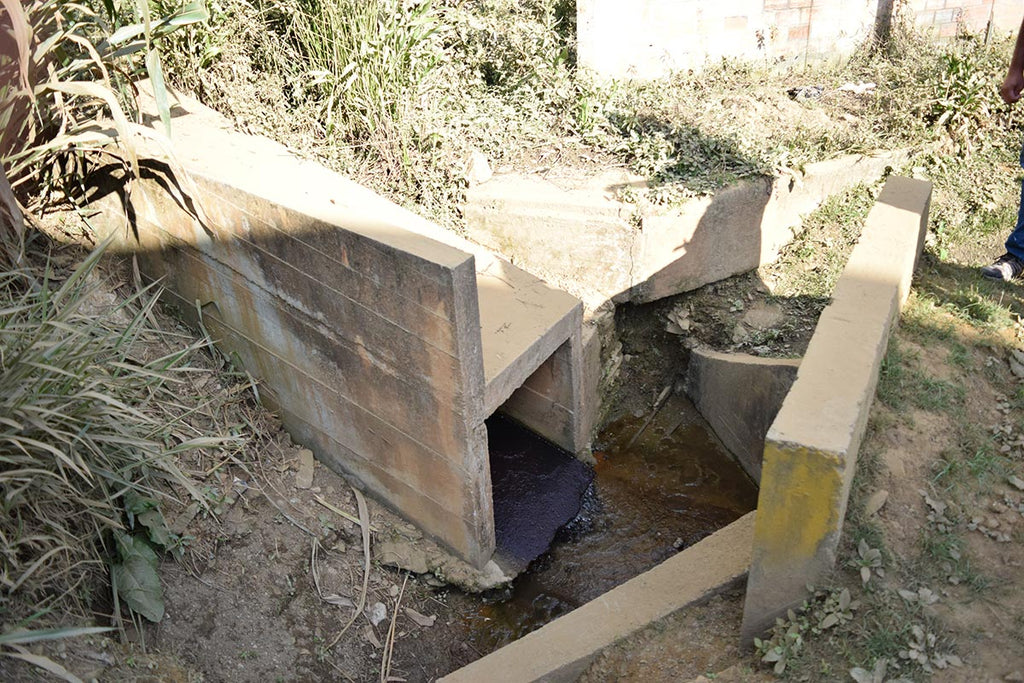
805	484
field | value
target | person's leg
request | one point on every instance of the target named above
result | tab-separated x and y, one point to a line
1010	265
1015	242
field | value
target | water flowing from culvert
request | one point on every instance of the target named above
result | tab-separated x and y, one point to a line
668	489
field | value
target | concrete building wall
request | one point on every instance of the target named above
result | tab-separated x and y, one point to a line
651	38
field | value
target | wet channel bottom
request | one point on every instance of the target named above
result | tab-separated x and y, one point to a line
663	492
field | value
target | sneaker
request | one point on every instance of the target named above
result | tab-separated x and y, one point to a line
1007	267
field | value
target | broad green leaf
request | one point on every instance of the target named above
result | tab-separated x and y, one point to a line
137	581
156	528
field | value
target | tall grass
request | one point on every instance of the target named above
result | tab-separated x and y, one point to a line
89	421
368	60
66	73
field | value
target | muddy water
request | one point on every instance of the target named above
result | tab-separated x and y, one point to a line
666	490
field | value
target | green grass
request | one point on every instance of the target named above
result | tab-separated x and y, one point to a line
903	384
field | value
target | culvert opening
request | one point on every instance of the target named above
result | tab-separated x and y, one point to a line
656	490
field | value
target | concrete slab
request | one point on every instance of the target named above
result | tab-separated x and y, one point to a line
739	395
811	450
572	229
562	650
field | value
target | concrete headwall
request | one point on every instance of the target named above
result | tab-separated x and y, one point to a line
651	38
739	395
337	324
381	340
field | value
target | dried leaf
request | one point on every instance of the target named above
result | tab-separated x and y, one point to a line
421	619
372	638
339	600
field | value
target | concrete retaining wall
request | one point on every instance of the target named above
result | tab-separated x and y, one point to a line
381	340
574	231
811	451
652	38
739	395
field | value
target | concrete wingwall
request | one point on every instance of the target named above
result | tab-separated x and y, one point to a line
651	38
337	324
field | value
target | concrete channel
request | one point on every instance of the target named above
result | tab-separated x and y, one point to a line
385	343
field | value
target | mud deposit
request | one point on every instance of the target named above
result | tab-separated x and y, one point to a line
671	487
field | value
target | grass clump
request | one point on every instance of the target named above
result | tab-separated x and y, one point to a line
90	424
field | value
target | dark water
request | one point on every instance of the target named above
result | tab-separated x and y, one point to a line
537	489
672	487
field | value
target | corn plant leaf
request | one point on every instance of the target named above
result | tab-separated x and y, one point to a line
22	38
25	637
98	92
156	76
135	576
191	13
10	204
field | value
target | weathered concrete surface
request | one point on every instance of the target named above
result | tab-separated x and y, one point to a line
562	650
573	231
739	395
811	450
653	38
382	340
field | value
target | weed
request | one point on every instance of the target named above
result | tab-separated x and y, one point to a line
89	435
72	69
959	356
825	609
901	383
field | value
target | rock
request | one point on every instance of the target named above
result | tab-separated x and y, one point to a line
304	477
422	557
377	613
402	554
740	334
1017	368
763	316
1016	482
875	503
477	169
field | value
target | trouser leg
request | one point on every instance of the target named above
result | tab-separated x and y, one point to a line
1015	242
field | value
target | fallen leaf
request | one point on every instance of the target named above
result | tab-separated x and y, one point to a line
421	619
372	638
875	503
339	600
